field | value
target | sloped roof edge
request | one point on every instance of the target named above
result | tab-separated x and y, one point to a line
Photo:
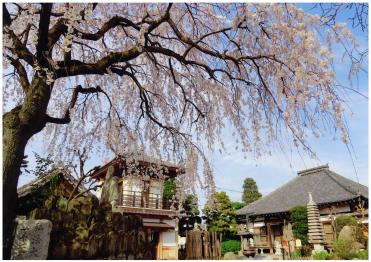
42	180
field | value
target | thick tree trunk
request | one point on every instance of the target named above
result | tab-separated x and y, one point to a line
14	143
19	125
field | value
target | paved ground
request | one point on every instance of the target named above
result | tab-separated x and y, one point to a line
257	257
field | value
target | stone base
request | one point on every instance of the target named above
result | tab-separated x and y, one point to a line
278	252
317	248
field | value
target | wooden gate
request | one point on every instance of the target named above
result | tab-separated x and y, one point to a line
203	245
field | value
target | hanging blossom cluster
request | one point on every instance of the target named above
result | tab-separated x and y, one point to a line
167	79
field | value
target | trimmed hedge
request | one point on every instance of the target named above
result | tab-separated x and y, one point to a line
231	246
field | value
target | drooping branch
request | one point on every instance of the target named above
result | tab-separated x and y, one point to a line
81	177
186	99
146	107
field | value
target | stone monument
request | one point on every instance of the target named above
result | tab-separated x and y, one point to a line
288	237
31	239
277	247
110	189
298	243
347	234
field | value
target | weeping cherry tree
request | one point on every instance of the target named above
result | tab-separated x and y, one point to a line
164	79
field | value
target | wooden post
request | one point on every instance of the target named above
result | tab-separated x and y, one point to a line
219	241
213	244
206	253
269	236
242	247
210	245
134	199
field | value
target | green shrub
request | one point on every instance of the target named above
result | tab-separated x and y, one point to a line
344	220
169	189
344	249
296	255
299	217
321	255
363	254
231	246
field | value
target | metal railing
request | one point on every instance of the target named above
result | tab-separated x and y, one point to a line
149	200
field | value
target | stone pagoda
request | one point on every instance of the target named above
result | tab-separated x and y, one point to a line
315	229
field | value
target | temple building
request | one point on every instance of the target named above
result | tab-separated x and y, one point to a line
269	218
141	186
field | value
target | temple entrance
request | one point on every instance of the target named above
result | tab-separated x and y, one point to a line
155	239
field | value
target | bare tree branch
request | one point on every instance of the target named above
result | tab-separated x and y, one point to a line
78	89
21	73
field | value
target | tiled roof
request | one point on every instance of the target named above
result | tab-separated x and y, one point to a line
325	185
42	180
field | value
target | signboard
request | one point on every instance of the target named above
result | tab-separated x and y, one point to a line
259	224
169	239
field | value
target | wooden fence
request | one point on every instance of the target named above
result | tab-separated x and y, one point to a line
203	245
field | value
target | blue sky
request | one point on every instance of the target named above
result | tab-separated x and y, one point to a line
271	172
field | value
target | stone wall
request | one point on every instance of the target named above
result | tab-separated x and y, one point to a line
84	230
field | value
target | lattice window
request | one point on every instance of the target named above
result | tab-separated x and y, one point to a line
329	233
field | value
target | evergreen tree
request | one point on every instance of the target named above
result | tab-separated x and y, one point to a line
299	220
237	205
250	191
220	215
190	206
190	214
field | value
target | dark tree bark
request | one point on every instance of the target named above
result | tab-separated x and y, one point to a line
13	151
19	125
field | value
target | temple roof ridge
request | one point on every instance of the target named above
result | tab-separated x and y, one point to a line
313	170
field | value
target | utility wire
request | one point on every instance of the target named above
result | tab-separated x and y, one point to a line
226	189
